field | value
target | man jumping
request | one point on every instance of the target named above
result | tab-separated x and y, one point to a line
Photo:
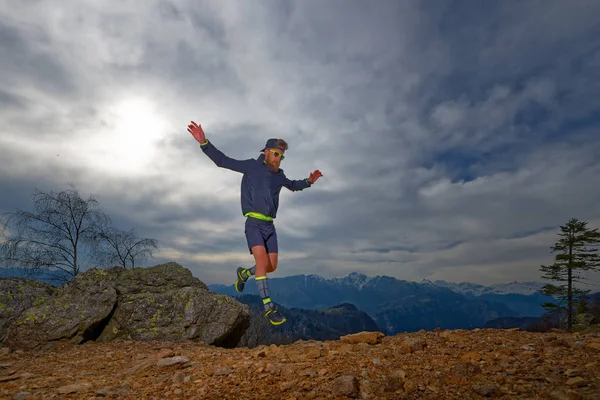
261	184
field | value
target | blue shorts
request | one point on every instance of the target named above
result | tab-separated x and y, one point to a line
261	233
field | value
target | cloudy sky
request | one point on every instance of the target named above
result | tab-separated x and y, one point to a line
454	137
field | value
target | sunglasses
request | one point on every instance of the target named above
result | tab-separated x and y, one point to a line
277	154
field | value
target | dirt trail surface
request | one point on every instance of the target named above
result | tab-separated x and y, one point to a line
441	364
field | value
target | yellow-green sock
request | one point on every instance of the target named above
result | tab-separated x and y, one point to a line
263	291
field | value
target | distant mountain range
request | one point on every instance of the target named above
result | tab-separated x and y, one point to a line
404	306
54	278
394	305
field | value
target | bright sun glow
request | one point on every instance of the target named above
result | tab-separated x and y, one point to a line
129	143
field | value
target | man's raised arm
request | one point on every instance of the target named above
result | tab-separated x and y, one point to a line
296	185
220	159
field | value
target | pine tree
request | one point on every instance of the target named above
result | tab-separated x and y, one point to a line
577	251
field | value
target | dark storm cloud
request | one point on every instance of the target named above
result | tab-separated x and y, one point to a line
25	53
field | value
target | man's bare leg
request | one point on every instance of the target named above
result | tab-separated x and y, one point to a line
261	260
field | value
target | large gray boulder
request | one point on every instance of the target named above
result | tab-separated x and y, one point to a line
164	302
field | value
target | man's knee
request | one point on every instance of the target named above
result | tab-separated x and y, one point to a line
272	262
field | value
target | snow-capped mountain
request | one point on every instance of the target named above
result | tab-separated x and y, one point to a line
353	279
526	288
474	289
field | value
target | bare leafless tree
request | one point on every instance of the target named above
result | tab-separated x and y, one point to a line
123	248
57	236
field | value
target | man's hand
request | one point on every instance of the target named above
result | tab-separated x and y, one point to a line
314	176
197	132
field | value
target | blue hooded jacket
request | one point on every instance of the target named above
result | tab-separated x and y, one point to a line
260	186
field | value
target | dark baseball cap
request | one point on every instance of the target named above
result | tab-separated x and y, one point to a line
272	144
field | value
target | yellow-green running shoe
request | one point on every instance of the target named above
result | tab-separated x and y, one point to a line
274	316
242	277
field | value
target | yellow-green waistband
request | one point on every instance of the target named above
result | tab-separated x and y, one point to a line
258	216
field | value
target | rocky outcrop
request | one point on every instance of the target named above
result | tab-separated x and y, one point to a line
164	302
16	296
68	314
441	364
